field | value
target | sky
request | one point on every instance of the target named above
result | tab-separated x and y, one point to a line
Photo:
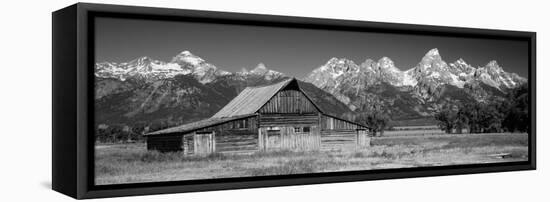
293	51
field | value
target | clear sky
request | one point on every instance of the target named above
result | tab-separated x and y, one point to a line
293	51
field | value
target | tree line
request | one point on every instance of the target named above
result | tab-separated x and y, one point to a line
118	133
506	115
510	114
376	117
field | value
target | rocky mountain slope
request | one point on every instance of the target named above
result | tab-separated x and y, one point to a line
415	92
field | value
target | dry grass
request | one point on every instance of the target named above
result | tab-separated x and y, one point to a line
413	132
132	163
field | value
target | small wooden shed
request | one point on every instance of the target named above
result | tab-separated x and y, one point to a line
275	117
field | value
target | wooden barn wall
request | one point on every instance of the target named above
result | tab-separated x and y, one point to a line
251	125
331	123
239	136
288	119
189	144
338	139
165	143
237	141
275	132
288	101
344	139
286	138
338	134
204	143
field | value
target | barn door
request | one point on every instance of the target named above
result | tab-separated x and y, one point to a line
204	143
273	139
269	138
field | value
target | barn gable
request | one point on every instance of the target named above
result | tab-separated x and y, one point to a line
253	99
289	100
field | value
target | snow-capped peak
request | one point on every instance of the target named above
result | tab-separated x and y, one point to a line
260	69
143	62
186	52
152	70
343	69
141	59
386	63
187	57
431	56
433	52
339	64
335	60
461	61
492	74
389	73
493	64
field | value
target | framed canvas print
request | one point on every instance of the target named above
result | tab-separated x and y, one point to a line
154	100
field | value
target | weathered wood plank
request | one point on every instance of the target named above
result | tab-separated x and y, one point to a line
288	101
235	140
288	119
287	139
331	123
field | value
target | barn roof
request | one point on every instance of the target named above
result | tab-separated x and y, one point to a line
251	99
199	124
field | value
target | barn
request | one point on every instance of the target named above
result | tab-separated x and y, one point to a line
280	116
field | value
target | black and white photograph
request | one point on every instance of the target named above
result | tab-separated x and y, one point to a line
275	101
177	101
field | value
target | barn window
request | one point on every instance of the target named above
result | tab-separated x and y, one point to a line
297	129
306	129
273	128
241	123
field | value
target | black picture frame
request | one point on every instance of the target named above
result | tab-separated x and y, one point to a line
73	91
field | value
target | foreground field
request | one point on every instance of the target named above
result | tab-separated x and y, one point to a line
132	163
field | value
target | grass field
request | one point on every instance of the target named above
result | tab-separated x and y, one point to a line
132	163
418	132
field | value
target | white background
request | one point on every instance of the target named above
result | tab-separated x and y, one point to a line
25	87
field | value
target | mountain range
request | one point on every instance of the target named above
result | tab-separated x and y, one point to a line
415	92
188	88
145	69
